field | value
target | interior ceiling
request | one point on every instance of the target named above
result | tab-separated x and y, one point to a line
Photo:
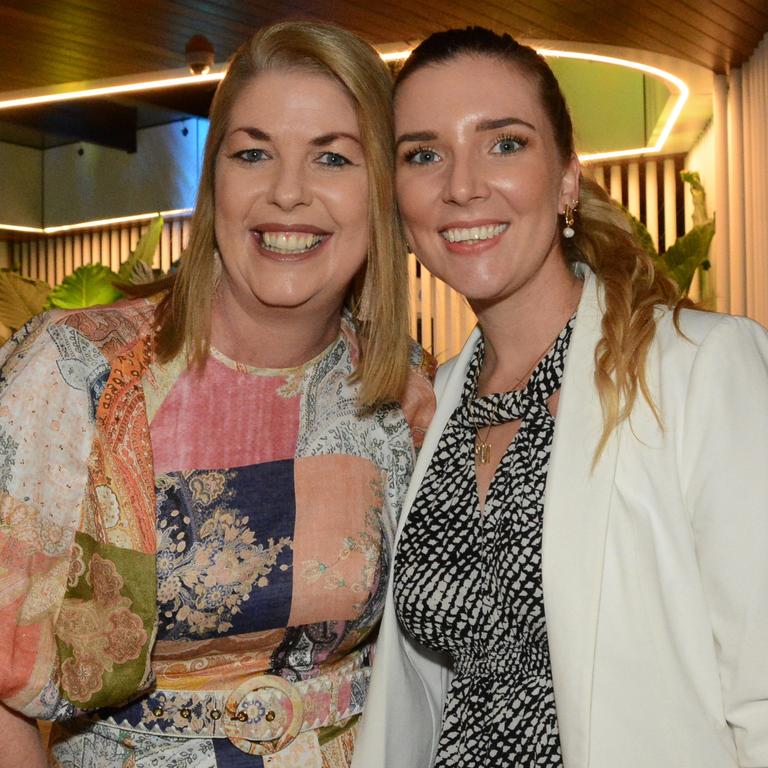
45	42
48	42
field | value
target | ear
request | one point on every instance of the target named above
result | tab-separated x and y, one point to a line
408	237
569	185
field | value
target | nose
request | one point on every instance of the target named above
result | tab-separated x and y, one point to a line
288	186
464	182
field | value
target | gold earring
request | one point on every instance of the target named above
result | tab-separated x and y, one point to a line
568	230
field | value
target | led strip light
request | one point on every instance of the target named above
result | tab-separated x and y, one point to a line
174	80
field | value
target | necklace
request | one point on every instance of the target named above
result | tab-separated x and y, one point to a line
482	446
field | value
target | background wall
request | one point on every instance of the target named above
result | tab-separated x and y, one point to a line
21	185
87	182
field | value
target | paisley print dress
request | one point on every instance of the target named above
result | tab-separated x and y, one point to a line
274	501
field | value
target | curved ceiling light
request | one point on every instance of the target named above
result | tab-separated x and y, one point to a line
174	79
676	83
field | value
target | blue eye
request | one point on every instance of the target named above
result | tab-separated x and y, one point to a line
251	155
508	145
422	156
333	159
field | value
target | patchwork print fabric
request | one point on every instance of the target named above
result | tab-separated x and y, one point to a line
161	529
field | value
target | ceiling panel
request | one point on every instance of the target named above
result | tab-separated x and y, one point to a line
44	42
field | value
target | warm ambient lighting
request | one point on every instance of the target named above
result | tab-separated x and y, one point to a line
682	97
174	79
676	82
99	223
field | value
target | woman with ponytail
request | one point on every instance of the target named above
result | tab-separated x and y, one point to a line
580	576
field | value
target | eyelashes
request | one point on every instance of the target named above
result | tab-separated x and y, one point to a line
503	144
421	155
509	144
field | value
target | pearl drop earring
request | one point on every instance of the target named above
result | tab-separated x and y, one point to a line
568	230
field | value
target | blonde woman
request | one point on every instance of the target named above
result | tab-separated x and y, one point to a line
580	576
199	494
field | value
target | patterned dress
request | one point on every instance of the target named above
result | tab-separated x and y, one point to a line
274	505
468	581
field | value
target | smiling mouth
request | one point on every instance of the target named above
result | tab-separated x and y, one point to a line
472	234
290	243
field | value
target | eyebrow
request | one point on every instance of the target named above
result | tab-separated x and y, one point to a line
329	138
418	136
485	125
319	141
502	122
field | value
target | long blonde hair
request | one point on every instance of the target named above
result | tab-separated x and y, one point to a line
632	286
378	299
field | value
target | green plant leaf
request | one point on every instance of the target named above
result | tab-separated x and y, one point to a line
641	232
144	251
87	286
687	254
20	298
698	196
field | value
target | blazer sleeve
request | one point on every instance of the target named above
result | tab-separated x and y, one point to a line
724	468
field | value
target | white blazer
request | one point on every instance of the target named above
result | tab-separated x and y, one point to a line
655	564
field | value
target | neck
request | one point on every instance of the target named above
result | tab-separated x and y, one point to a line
519	329
270	337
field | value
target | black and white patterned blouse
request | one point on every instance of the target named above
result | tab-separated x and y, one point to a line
468	581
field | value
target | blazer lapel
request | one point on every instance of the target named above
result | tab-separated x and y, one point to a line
576	510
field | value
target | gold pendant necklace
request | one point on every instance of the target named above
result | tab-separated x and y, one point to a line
482	446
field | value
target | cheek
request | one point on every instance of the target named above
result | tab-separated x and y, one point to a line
348	205
411	202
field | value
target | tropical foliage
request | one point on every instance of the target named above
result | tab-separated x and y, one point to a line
690	252
21	298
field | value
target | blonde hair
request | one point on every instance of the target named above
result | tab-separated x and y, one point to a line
631	283
632	288
378	300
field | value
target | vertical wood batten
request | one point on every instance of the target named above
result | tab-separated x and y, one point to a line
670	203
426	310
616	191
652	201
736	224
633	189
721	262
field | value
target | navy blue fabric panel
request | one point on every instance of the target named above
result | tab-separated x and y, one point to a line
225	550
229	756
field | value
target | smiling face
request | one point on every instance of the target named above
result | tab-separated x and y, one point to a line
291	195
480	180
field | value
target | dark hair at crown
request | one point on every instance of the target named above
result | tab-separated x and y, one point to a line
441	47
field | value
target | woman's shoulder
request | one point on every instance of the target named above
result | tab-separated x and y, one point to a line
693	328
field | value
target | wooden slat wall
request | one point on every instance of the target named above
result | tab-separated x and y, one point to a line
52	258
440	318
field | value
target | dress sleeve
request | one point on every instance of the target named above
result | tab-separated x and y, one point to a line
724	468
46	430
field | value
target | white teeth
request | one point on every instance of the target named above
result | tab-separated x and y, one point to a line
290	242
472	234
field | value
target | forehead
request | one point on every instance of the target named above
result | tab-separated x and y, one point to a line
304	101
467	87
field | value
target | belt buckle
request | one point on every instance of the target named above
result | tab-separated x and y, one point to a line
235	716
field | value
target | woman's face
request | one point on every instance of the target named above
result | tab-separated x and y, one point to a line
480	180
291	193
